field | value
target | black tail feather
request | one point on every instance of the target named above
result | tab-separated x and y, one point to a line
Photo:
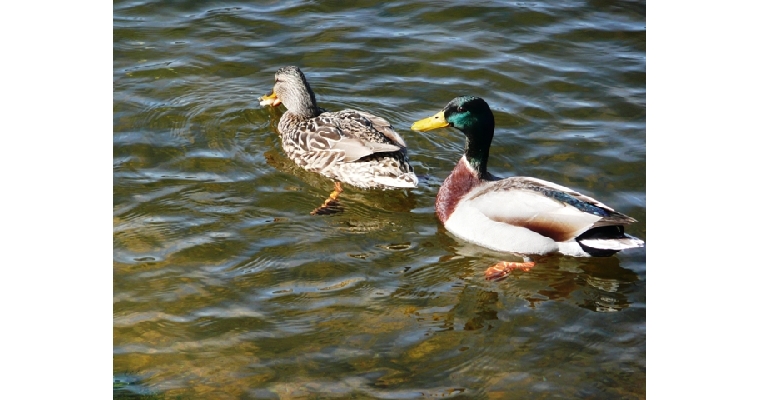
601	232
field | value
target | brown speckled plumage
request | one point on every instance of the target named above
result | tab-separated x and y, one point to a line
349	146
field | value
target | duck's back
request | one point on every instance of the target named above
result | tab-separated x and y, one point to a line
351	146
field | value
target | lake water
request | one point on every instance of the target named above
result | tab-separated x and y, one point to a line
225	287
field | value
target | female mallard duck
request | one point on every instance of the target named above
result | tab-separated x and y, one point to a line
348	146
518	214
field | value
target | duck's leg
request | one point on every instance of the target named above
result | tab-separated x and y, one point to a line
502	269
330	205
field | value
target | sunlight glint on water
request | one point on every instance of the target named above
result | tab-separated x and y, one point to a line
226	287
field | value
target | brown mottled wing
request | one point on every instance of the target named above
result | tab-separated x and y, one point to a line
338	134
384	127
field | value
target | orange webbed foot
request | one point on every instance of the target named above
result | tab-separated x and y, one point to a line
502	269
331	205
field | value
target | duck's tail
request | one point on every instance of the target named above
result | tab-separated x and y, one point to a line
607	240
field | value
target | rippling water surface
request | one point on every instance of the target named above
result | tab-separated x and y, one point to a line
225	287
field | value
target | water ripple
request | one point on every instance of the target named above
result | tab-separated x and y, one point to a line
226	287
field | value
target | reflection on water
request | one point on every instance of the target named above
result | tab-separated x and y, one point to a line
597	284
225	286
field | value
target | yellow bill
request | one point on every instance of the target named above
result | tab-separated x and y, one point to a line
430	123
269	100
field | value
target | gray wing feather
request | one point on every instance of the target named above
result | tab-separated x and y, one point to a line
609	215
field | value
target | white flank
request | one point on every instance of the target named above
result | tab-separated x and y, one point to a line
470	224
572	248
528	206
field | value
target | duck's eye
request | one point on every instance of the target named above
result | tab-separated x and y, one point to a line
461	109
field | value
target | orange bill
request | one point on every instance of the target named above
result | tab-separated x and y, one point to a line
269	100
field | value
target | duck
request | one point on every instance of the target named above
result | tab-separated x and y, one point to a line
520	215
349	146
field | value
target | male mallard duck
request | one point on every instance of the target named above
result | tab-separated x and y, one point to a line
348	146
518	214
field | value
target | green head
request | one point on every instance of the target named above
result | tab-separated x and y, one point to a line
474	118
